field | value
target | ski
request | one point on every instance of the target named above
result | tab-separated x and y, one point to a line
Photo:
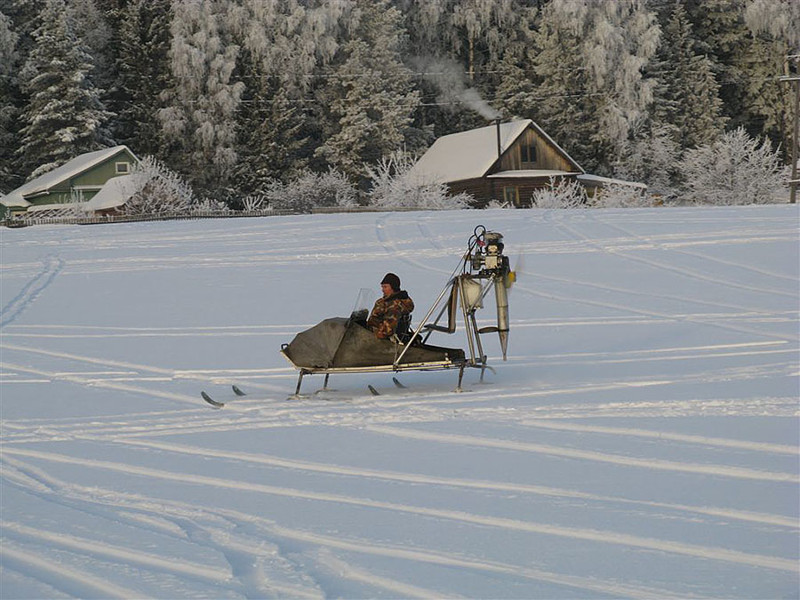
396	382
211	401
216	403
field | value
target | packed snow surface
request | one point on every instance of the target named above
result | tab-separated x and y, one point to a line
641	441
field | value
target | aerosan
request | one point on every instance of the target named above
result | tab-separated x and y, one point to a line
345	345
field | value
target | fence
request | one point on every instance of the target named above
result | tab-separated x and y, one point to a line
24	220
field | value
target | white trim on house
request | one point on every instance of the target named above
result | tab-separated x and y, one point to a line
530	173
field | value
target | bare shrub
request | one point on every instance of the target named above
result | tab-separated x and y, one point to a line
560	193
393	186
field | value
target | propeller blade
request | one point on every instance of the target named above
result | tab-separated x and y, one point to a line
516	272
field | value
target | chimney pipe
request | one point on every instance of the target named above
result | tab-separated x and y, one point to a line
499	147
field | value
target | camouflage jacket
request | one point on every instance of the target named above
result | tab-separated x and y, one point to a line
387	312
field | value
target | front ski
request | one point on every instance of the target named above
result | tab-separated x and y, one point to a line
396	382
216	403
211	401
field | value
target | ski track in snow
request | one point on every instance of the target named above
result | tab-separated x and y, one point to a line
261	557
226	531
590	535
51	267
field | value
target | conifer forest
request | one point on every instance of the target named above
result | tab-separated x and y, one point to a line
240	95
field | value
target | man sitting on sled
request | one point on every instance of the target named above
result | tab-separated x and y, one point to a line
392	313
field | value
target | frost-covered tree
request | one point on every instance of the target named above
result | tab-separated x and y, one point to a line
157	190
735	169
284	45
687	93
721	35
567	103
64	116
393	186
311	190
370	94
144	42
560	193
775	29
652	158
485	39
199	118
621	196
602	48
93	29
9	60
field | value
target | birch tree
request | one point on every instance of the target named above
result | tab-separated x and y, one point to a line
199	119
735	169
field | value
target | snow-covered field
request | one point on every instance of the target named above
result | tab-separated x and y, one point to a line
640	442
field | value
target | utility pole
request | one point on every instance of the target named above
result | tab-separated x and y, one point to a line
794	181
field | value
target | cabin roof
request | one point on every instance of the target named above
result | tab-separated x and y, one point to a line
471	154
116	192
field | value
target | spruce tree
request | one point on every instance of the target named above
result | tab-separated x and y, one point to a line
721	36
370	94
564	103
688	94
9	59
64	116
144	42
774	27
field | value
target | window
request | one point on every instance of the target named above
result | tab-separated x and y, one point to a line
122	168
528	153
511	195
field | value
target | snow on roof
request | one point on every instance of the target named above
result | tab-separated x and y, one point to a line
116	192
465	155
44	183
529	173
14	199
601	181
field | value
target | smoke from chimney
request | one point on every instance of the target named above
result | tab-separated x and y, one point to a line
448	77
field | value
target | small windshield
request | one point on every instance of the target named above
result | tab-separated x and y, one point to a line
364	302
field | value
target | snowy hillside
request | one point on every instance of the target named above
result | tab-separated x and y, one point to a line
640	442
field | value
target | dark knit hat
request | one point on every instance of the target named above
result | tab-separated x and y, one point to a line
393	280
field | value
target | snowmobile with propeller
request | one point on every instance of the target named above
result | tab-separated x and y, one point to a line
341	345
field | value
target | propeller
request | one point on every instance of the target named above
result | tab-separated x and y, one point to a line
514	274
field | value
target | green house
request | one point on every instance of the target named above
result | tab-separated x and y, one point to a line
76	181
